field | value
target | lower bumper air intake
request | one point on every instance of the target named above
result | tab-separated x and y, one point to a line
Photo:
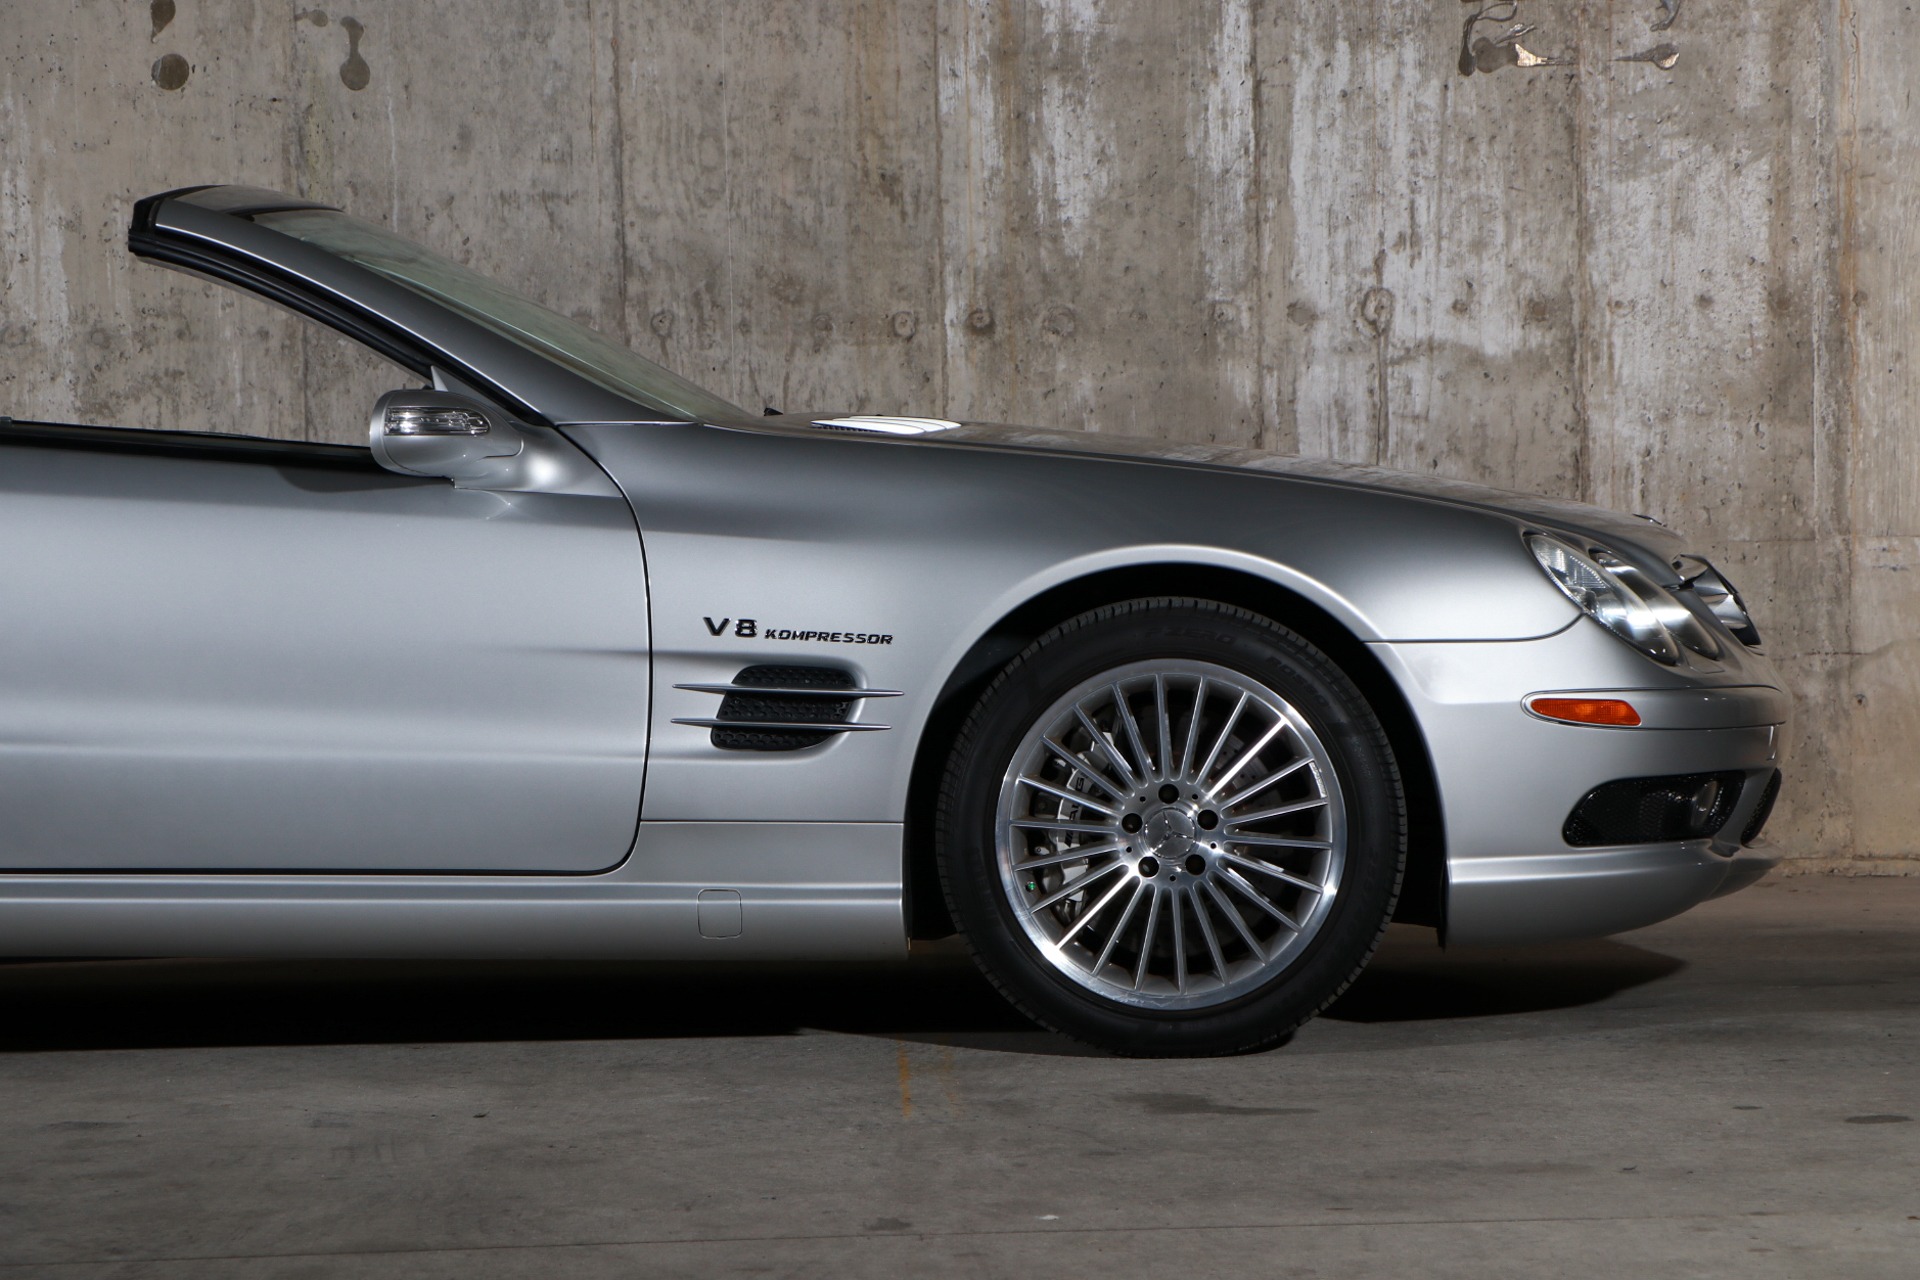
1691	806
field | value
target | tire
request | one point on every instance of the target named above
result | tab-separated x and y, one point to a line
1109	878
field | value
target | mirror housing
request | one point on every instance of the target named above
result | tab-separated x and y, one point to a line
442	434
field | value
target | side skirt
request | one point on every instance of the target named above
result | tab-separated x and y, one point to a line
689	891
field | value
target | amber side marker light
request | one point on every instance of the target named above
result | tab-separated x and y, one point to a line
1604	711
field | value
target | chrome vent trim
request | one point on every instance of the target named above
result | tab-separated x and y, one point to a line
784	726
773	692
785	707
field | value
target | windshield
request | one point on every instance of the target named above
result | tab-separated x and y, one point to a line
572	345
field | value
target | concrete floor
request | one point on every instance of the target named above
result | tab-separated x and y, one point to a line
1728	1094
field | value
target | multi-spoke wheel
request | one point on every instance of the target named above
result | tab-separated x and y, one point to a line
1171	833
1172	827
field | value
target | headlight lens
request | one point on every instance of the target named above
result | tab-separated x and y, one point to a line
1719	596
1616	596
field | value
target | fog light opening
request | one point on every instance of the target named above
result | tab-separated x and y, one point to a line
1703	801
1654	810
1762	811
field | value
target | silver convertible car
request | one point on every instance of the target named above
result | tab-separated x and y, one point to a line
577	659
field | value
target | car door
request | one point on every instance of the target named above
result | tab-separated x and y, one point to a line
236	655
223	653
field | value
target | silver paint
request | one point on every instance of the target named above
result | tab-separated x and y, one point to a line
224	664
831	892
417	677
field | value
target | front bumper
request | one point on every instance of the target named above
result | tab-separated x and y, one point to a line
1592	892
1507	779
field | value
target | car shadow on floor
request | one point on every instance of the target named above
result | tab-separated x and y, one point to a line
135	1004
1411	980
936	997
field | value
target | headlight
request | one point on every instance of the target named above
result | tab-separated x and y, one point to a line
1622	599
1720	598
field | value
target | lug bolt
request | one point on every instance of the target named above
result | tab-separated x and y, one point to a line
1130	823
1169	793
1149	867
1195	864
1208	819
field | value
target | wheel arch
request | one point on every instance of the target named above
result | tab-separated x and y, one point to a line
1423	892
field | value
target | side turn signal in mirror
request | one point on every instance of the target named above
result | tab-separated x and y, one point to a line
424	420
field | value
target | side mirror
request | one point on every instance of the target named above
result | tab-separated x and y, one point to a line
440	433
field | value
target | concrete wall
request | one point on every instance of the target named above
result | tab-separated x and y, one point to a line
1680	290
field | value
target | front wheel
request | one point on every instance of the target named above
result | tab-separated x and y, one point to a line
1172	827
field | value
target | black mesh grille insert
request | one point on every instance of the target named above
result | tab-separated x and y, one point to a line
1653	810
751	707
1765	811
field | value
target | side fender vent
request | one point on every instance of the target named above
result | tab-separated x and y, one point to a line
778	705
785	708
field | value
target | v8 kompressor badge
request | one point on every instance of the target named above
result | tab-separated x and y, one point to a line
750	629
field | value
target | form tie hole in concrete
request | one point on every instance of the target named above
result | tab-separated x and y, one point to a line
170	72
161	11
354	72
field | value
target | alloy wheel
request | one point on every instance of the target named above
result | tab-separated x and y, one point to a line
1171	834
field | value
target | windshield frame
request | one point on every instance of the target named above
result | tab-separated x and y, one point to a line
497	309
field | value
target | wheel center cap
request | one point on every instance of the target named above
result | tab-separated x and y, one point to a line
1169	833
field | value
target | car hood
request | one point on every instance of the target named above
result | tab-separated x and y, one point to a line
1622	532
